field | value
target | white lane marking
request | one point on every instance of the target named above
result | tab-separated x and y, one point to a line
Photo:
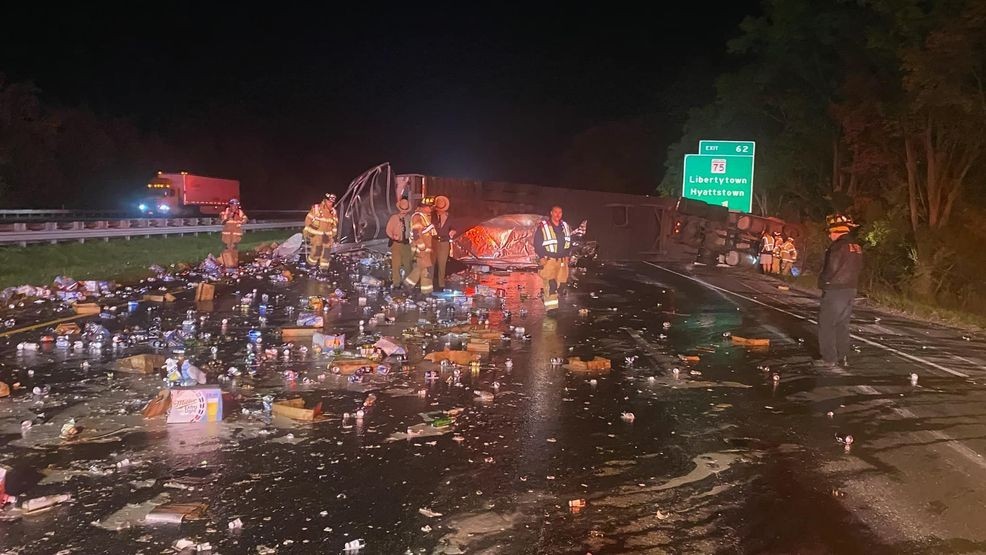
977	363
887	348
956	445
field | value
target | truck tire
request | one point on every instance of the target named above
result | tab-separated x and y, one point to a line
691	207
733	258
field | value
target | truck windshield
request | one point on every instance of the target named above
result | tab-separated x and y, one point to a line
163	192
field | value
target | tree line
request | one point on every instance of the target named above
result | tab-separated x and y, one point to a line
874	107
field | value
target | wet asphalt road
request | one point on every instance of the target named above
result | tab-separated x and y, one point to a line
721	458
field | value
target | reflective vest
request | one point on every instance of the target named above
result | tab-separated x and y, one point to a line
768	244
550	241
321	221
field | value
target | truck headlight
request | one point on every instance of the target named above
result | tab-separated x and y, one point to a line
164	208
142	207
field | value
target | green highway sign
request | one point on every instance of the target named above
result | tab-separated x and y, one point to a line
734	148
722	179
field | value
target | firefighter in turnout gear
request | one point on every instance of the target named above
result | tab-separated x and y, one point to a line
775	266
838	281
321	225
422	240
789	255
232	218
553	244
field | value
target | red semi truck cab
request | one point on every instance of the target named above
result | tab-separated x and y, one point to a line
184	194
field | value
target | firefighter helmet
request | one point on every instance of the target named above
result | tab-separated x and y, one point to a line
330	197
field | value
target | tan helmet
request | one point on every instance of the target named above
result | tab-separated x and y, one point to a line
403	205
441	203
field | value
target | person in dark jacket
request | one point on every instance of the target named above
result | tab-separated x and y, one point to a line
838	281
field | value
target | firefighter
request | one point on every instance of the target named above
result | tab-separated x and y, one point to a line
838	281
422	238
775	259
321	225
553	244
232	218
766	252
444	233
789	255
399	232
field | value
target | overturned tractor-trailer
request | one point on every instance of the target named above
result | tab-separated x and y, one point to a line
622	226
721	236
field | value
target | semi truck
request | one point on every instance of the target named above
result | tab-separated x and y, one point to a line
184	194
725	236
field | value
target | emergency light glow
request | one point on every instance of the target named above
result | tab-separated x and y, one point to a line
142	207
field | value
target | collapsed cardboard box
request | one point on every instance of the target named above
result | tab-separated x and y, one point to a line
461	358
67	328
165	298
298	333
478	346
597	364
349	366
295	410
176	513
4	390
205	292
139	364
195	405
748	342
329	342
86	309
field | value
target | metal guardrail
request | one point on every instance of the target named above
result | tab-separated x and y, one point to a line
81	231
33	215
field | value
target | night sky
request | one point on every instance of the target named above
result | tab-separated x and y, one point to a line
494	93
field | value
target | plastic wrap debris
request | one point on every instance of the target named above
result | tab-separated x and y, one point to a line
462	358
176	513
354	546
4	498
429	513
390	347
596	364
235	524
196	405
40	504
290	247
504	240
295	410
192	375
139	364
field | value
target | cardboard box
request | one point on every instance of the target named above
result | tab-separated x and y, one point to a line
295	409
4	390
747	342
597	364
196	405
230	258
87	309
175	513
205	292
349	366
139	364
329	342
158	406
67	328
478	346
461	358
165	298
297	334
